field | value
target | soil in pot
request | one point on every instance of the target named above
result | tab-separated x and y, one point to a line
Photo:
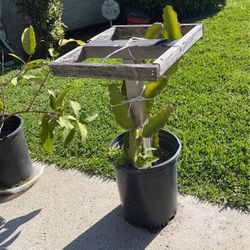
149	196
15	162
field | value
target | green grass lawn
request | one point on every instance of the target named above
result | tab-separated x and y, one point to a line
211	97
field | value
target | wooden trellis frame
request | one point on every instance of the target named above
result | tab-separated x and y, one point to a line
166	54
132	70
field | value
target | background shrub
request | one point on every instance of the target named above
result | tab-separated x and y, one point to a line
185	9
46	18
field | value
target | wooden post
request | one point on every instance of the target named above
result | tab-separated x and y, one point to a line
138	108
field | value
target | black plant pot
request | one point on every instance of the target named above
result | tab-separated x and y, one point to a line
149	196
15	162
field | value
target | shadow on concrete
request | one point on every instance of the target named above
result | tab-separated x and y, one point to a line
6	198
112	232
7	229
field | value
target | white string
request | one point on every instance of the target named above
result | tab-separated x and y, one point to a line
139	98
131	100
126	46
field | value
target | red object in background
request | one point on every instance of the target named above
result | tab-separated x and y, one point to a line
138	17
138	20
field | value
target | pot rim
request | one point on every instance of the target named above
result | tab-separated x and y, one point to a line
160	165
16	131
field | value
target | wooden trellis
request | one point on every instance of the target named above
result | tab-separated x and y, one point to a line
116	39
165	52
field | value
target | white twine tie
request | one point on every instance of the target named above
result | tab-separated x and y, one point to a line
139	98
131	100
126	46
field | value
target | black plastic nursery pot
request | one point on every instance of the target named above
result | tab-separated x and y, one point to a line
149	196
15	161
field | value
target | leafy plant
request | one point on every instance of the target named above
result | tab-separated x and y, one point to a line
61	113
137	151
64	46
46	18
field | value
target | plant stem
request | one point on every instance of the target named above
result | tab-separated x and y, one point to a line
2	93
2	97
28	112
38	91
20	71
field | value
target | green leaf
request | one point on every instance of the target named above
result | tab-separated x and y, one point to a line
53	53
52	98
29	77
120	110
145	161
44	128
80	42
14	81
155	31
172	29
90	117
76	107
65	123
53	123
63	42
61	96
68	135
36	63
46	135
51	92
17	57
1	105
68	128
70	117
83	131
157	122
29	40
48	144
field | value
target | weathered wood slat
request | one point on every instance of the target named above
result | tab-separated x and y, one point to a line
76	55
171	56
105	35
137	72
139	50
135	89
128	31
138	108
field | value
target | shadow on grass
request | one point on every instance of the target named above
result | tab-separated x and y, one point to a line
112	232
7	229
202	17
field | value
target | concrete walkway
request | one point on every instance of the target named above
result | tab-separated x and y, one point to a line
68	210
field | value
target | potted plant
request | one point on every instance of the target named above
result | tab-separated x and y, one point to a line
15	162
145	156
